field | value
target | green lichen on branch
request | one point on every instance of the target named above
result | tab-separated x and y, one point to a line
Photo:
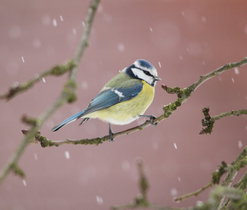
217	175
17	170
45	142
29	120
177	90
16	89
242	183
94	141
235	166
62	69
207	122
236	198
69	91
170	108
182	95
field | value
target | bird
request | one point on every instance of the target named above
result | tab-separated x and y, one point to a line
123	99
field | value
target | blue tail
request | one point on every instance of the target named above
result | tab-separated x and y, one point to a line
68	120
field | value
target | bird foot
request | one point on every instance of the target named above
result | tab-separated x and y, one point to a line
111	134
84	120
151	119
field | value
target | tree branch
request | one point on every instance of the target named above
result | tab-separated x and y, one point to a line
195	193
182	93
215	179
208	121
230	171
54	71
60	69
67	95
85	36
236	197
233	170
141	200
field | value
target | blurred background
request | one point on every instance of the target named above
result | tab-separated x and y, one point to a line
183	39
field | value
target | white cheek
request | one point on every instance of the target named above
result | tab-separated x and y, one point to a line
140	74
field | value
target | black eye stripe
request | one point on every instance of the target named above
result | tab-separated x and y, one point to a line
147	73
130	69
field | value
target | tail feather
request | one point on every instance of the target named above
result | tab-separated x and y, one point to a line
68	120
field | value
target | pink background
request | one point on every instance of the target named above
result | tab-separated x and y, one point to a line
188	39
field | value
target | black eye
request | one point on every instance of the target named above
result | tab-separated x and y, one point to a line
148	73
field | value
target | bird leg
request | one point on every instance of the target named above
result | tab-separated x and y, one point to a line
110	133
151	119
84	120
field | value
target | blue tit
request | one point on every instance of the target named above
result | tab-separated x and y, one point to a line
123	99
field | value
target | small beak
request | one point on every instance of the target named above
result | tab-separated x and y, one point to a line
157	78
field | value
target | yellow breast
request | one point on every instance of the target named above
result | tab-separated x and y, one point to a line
127	111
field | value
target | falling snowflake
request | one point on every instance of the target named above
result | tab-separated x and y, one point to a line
61	18
174	192
159	64
24	182
43	80
240	144
74	31
67	155
22	59
120	47
54	22
99	199
236	70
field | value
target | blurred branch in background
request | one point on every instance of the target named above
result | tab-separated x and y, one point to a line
67	94
141	200
223	196
182	95
57	70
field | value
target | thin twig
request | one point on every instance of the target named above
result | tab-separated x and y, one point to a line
215	179
236	198
182	93
242	183
195	193
85	36
141	200
217	72
22	87
240	162
208	121
67	95
230	171
233	169
231	113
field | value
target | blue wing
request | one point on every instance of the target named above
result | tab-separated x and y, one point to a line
104	100
113	96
